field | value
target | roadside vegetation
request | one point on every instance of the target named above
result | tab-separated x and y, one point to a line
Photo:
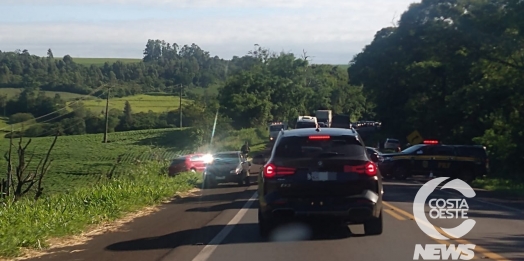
29	223
504	187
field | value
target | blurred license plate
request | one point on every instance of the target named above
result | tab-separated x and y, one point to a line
220	177
323	176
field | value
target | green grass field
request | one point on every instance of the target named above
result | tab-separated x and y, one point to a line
139	103
80	160
101	61
13	92
156	102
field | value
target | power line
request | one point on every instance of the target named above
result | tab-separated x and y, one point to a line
65	107
48	120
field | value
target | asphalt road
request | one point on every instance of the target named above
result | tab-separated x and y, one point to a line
221	225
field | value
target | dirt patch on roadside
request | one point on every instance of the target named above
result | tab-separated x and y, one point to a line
99	229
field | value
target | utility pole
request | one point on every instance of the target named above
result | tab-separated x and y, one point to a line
10	168
107	114
180	106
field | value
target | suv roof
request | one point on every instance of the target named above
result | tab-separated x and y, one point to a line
323	131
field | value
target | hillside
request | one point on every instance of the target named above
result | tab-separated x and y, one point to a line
80	160
139	103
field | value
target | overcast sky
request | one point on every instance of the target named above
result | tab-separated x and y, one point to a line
331	31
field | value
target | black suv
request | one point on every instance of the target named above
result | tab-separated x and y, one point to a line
466	162
320	173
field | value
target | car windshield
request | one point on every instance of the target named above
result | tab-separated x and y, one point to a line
412	149
303	147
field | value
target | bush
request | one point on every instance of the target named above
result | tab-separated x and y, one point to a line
21	117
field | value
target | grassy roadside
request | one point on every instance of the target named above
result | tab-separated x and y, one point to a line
503	187
30	224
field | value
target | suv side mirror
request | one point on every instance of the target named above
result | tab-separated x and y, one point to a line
259	159
374	157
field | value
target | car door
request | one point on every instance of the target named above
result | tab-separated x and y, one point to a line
420	160
442	158
197	162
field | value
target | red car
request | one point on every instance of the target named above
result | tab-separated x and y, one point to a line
191	162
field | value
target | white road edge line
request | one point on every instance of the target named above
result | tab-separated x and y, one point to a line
206	252
479	200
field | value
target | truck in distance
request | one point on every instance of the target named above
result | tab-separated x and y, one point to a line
275	128
324	116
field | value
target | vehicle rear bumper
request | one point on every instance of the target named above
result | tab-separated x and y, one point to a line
352	209
223	177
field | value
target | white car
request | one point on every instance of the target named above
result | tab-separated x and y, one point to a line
391	144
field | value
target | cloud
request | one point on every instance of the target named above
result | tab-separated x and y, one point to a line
332	34
314	4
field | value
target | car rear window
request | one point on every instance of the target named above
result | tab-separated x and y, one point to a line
178	161
226	157
197	158
392	141
303	125
303	147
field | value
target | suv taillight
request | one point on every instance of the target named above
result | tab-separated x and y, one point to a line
369	169
270	170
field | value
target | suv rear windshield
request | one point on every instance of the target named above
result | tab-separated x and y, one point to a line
303	147
305	124
392	141
226	157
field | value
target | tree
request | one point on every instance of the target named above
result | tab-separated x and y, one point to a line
126	120
50	54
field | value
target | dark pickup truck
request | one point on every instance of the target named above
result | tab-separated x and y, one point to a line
466	162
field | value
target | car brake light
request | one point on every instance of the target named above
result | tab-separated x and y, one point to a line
369	169
320	137
271	170
431	142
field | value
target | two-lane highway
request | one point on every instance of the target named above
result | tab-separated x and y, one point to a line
221	224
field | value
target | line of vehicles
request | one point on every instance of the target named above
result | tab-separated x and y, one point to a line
217	168
322	119
316	173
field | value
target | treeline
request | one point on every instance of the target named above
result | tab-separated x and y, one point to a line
33	114
261	86
281	86
452	70
164	66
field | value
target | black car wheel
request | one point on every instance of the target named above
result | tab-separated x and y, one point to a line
247	181
209	183
467	176
401	173
374	226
